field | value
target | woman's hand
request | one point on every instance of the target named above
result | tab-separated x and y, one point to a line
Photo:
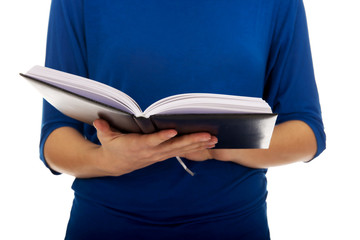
292	141
123	153
202	155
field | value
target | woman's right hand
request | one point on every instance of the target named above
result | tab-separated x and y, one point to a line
123	153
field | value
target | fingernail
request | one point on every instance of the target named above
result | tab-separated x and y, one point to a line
171	134
214	140
205	139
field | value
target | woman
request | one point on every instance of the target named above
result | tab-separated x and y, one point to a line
129	186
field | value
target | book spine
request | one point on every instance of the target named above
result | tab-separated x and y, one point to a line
145	124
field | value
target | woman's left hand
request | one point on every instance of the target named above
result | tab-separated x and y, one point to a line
201	155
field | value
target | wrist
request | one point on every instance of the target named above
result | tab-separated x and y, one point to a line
104	164
93	164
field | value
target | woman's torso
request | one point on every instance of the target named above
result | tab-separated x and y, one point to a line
154	49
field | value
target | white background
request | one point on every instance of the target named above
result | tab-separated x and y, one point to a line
319	200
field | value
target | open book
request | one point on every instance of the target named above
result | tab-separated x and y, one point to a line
237	122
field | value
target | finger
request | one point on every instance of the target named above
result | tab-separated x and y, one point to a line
103	129
196	147
160	137
192	151
186	144
187	140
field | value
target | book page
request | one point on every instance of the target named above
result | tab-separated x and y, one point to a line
88	88
194	103
189	103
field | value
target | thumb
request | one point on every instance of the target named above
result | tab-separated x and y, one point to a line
103	129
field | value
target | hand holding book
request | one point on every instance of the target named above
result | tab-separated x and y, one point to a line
124	153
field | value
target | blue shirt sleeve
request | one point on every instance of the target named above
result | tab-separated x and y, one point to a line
66	51
290	83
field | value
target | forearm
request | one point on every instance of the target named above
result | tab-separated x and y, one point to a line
67	151
292	141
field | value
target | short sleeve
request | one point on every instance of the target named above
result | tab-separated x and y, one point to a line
65	51
290	86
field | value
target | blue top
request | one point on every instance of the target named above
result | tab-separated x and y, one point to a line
154	49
